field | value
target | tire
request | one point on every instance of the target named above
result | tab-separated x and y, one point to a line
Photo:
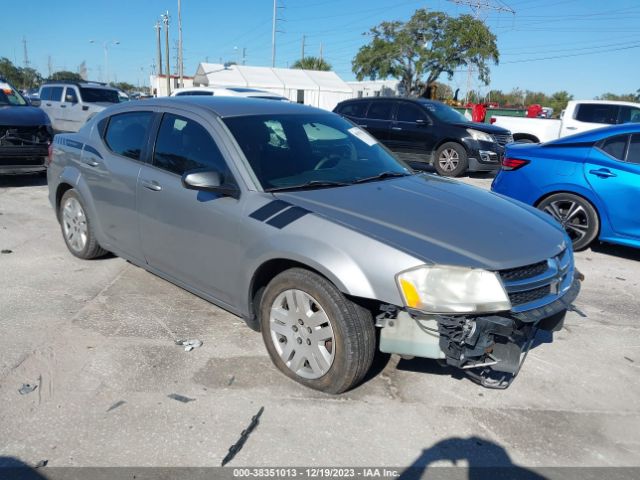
77	228
576	215
451	160
330	347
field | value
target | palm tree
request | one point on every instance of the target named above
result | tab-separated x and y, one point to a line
312	63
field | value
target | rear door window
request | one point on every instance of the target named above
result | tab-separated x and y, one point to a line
56	94
354	109
633	155
409	113
615	146
629	115
597	113
380	111
183	144
126	133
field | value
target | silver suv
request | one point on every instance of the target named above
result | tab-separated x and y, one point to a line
305	226
70	104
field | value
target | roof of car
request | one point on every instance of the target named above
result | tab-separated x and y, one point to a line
230	106
598	134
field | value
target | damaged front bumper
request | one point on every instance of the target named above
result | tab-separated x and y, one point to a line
490	349
24	149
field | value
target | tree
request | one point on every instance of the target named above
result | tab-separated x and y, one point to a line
428	44
66	75
124	86
10	72
628	97
558	101
312	63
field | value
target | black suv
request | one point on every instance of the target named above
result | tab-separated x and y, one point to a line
429	131
25	133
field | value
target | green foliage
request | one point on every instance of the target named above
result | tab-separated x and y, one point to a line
558	101
627	97
522	98
18	76
427	45
66	75
124	86
312	63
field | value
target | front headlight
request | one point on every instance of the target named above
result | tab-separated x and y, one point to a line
478	135
444	289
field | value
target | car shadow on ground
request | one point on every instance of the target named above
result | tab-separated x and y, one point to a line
479	457
27	180
14	469
620	251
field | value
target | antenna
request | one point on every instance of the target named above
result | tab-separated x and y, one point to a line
26	54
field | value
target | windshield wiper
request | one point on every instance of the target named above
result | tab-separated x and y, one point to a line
382	175
309	185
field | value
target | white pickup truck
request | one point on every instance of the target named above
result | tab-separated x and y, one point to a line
579	116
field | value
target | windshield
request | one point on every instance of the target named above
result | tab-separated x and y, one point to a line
289	151
444	113
97	95
9	96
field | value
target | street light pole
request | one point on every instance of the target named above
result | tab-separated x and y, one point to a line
105	46
165	20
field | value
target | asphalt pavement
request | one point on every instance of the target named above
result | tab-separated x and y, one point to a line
97	339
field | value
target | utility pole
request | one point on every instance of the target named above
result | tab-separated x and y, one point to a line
158	27
180	57
478	7
320	52
165	20
26	54
49	65
273	33
302	57
244	55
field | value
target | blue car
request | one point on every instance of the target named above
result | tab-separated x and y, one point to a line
589	182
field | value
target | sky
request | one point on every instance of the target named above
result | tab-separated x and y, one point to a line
587	47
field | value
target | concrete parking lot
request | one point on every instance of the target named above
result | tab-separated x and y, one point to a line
97	338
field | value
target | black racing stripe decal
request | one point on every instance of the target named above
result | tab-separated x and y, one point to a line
90	149
73	144
269	210
287	217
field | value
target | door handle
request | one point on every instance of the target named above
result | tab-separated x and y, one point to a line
90	162
603	173
63	106
48	104
151	185
396	128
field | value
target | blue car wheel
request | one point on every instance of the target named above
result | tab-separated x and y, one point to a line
576	215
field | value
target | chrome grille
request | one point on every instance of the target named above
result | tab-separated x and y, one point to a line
503	139
538	284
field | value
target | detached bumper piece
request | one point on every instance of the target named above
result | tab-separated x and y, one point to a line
491	349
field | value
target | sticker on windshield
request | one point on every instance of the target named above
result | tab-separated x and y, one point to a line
362	135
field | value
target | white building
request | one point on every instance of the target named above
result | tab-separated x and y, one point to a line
159	84
376	88
319	89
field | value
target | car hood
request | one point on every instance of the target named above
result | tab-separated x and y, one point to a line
25	116
484	127
439	221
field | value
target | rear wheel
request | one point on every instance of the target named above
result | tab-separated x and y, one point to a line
314	334
576	215
451	160
77	229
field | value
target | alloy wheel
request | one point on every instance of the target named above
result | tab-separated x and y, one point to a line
572	216
449	160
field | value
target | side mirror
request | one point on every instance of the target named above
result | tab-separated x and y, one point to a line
35	102
71	99
209	181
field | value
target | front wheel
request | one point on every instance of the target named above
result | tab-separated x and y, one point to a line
314	334
451	160
576	215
